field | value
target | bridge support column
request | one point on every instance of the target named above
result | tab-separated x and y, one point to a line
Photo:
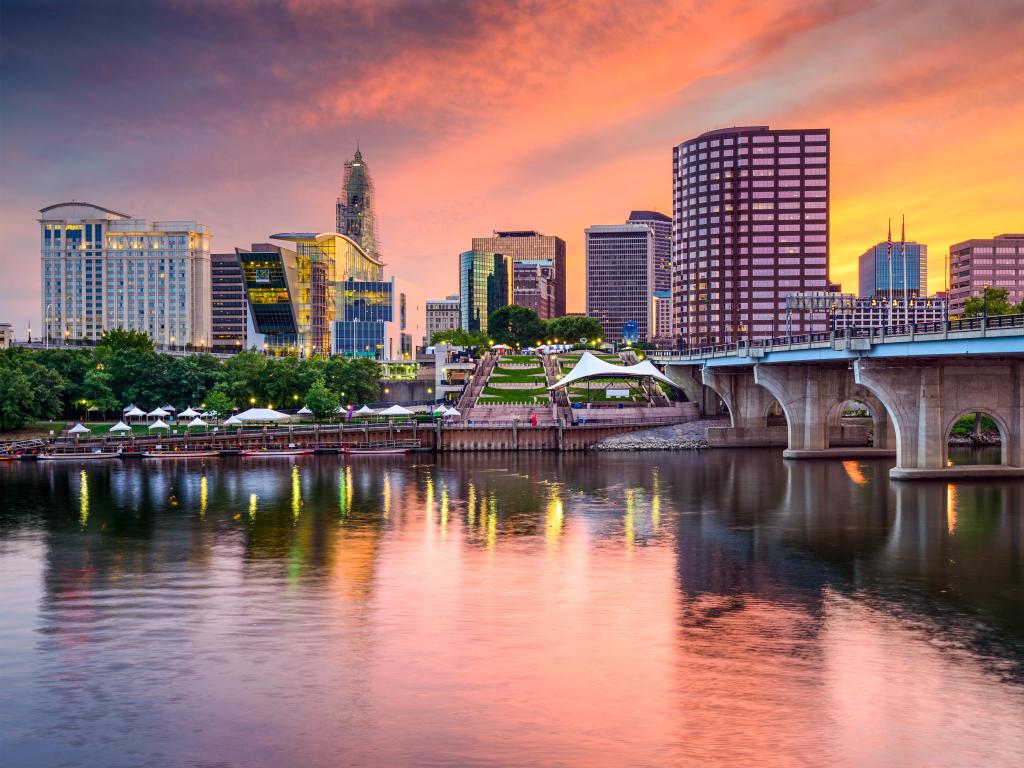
688	379
812	395
926	397
748	406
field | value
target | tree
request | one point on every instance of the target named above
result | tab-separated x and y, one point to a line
117	339
244	378
458	337
572	329
993	301
321	400
219	402
96	391
15	398
354	379
515	326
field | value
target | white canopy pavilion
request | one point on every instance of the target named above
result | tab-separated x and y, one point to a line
188	413
158	424
592	367
232	421
134	413
120	427
158	413
79	429
395	410
196	422
364	411
261	415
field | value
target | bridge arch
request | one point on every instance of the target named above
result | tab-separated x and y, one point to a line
882	429
1004	434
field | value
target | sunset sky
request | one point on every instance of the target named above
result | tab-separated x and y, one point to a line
475	116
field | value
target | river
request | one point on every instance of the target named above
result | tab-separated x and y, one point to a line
721	608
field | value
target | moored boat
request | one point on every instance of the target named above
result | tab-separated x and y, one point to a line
179	454
374	451
72	456
272	452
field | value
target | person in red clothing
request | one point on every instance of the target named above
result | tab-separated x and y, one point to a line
533	419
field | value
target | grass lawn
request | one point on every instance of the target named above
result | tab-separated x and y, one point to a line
510	375
518	359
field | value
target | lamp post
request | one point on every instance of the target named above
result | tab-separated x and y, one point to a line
984	305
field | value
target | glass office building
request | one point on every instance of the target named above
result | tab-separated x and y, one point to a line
485	284
529	245
303	300
873	267
367	306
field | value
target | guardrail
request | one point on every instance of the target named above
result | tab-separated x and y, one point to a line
875	333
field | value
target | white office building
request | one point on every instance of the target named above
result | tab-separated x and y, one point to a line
103	270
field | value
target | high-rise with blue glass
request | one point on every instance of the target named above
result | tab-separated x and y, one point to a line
908	273
327	296
485	285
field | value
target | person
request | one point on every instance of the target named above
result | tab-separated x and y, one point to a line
533	419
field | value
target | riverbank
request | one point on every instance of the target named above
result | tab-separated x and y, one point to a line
675	437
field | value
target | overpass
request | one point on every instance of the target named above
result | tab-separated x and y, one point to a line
916	381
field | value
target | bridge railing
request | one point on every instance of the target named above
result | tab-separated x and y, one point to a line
967	324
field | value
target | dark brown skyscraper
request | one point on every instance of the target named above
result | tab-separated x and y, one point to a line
750	220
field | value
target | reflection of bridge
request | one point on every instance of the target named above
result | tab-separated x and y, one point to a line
916	381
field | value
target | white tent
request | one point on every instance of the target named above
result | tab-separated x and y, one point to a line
365	411
120	427
440	410
129	407
79	429
592	367
452	412
208	414
170	408
261	414
304	411
158	413
395	410
158	424
135	413
196	422
188	413
232	421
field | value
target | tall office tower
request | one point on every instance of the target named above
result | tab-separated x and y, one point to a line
996	262
355	207
873	266
533	286
442	315
103	270
228	311
662	226
620	279
328	296
485	284
529	245
750	218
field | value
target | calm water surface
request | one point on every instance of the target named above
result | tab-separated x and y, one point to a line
721	608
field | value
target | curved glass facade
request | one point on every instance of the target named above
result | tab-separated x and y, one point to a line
485	284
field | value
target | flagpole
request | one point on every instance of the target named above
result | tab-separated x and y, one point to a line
906	281
888	255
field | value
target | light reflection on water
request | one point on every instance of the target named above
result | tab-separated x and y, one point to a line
725	608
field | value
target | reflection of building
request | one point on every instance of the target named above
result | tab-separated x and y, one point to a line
620	278
529	245
104	270
874	264
442	315
751	217
485	285
662	226
228	315
405	345
328	296
355	207
997	262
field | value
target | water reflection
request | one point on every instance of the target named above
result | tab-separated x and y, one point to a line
502	609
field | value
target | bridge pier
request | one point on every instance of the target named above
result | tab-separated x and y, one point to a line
688	379
812	397
926	398
748	406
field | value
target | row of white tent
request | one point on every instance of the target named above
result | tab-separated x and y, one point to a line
134	412
393	410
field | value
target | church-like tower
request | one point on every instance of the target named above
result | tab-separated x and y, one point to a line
355	206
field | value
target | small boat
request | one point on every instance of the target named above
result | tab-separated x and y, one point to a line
273	452
179	454
374	451
8	457
78	456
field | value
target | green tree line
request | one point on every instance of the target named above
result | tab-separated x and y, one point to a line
123	367
520	326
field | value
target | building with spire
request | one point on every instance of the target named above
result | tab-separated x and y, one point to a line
355	206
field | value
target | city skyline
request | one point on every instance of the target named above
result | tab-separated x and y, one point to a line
558	163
